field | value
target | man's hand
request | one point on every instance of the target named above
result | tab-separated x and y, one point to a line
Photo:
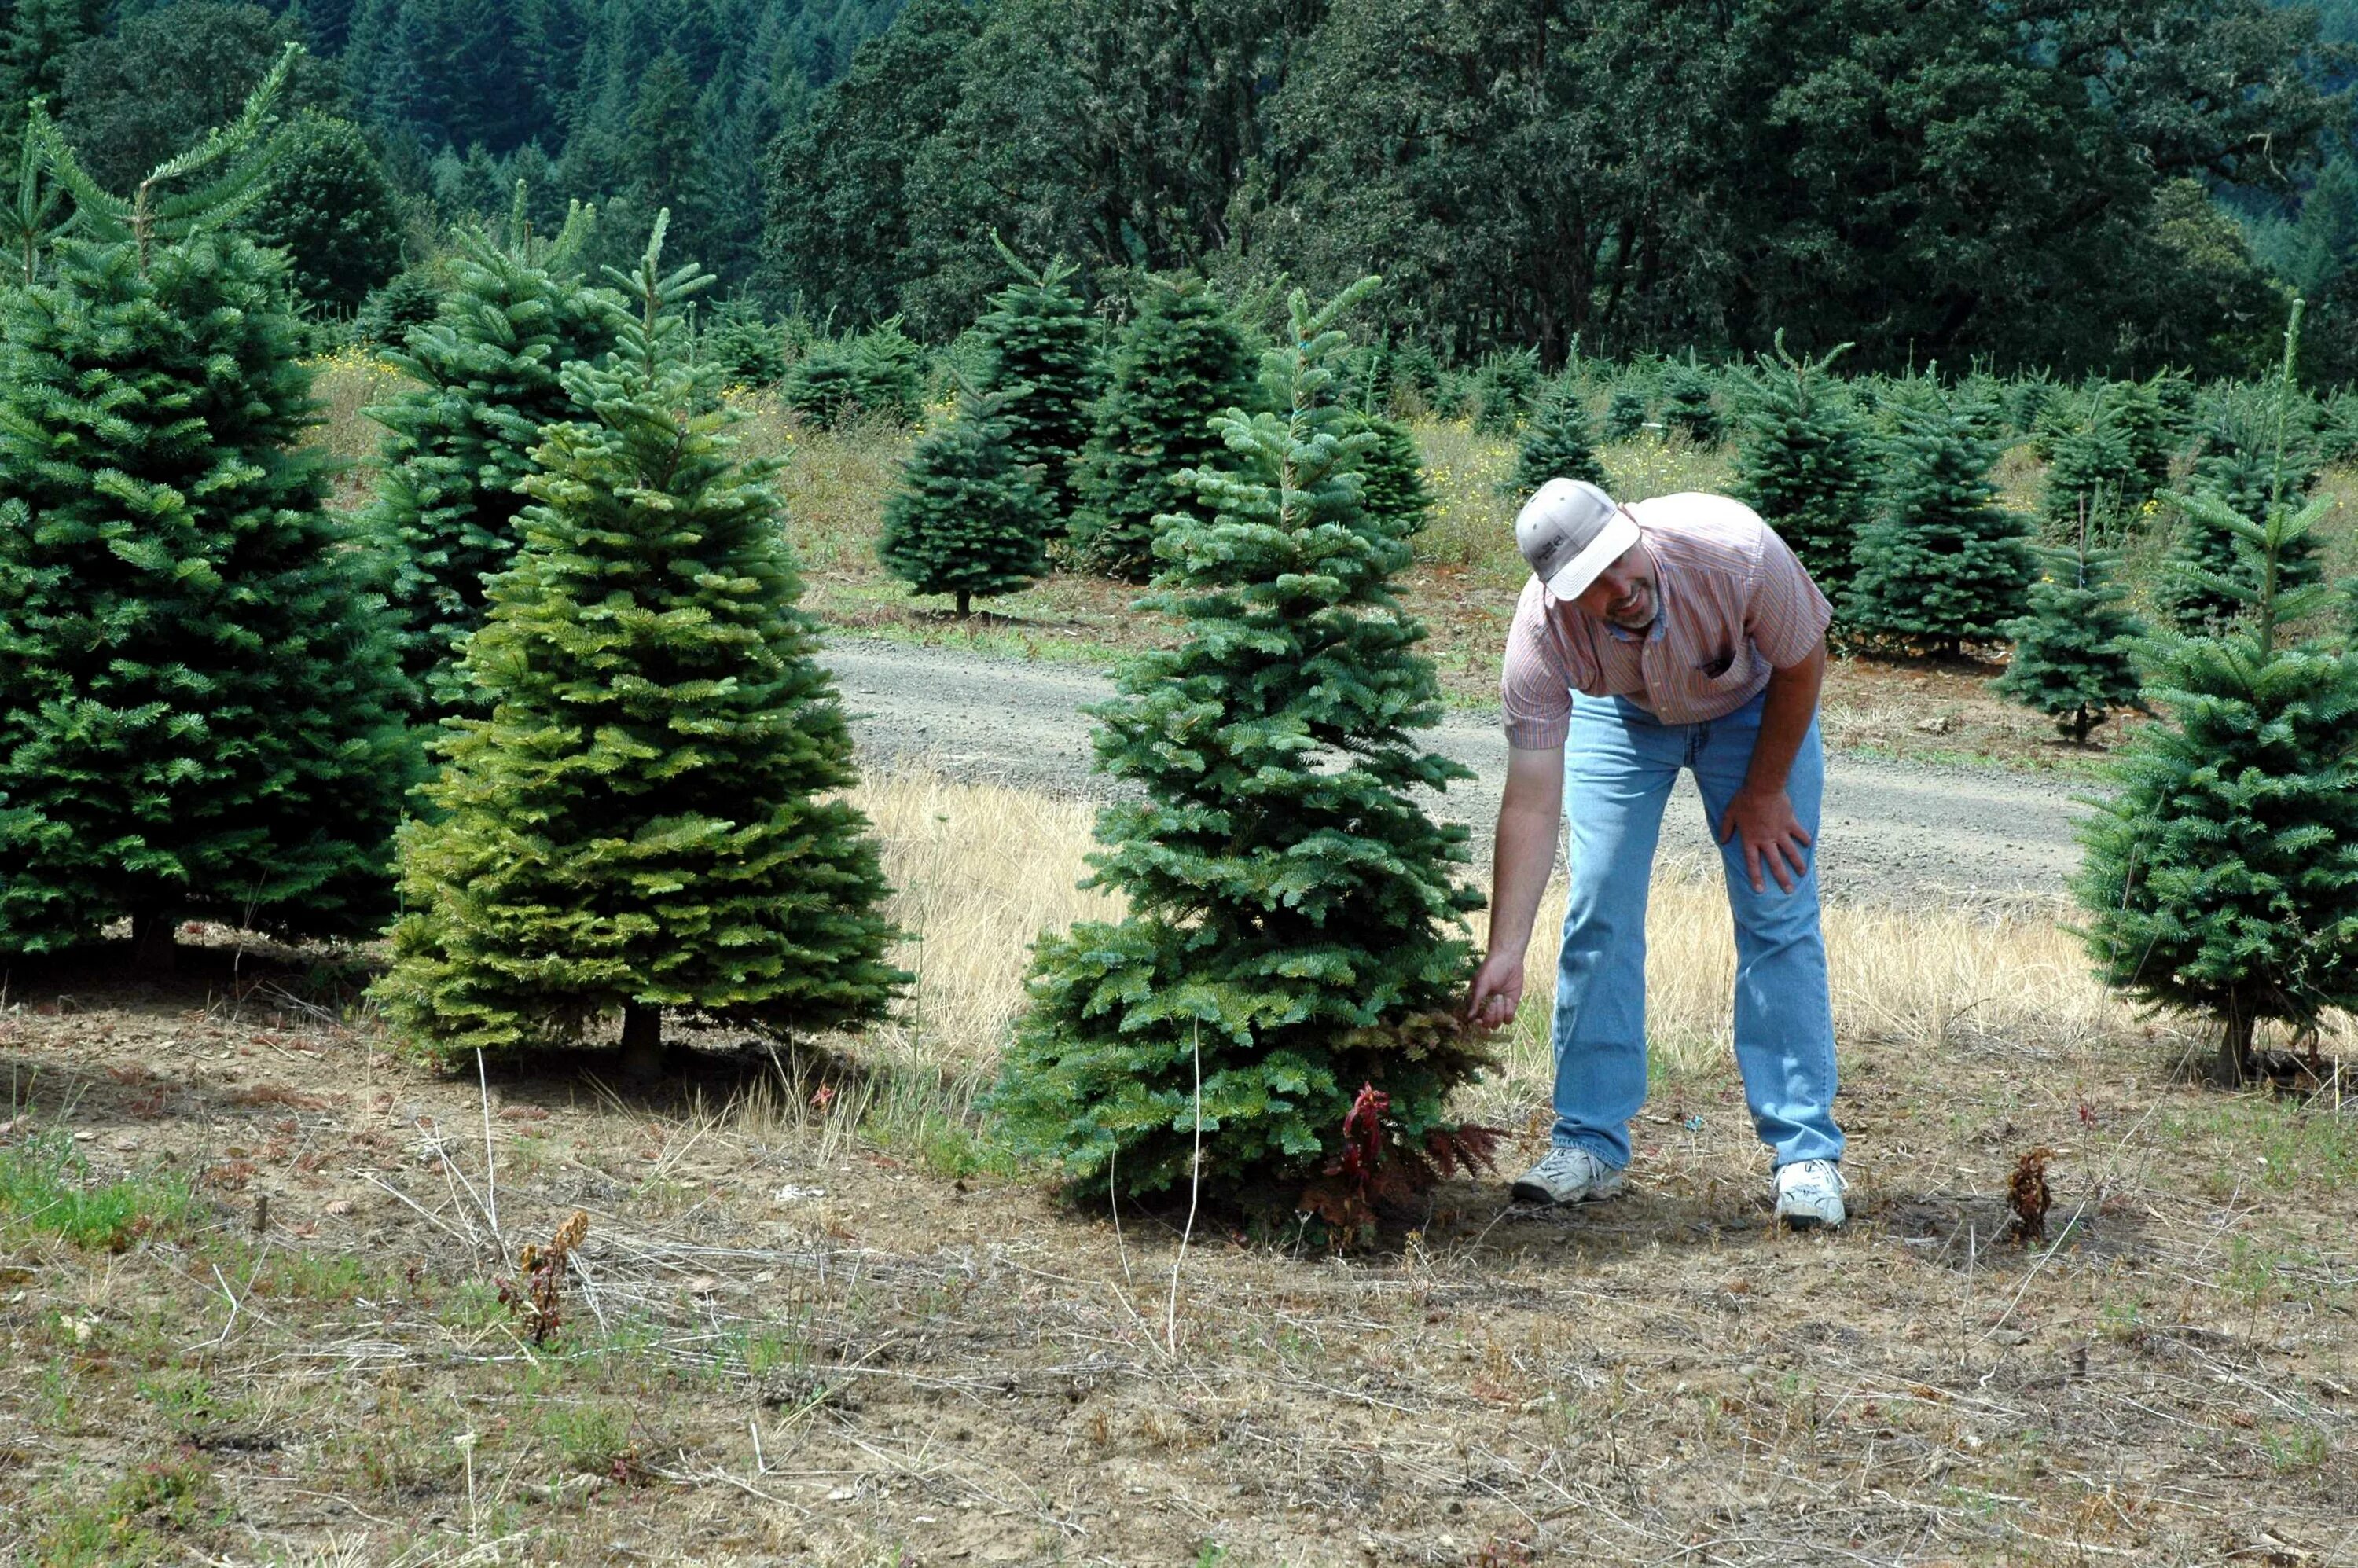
1496	990
1772	835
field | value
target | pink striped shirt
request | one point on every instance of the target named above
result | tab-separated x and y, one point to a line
1735	603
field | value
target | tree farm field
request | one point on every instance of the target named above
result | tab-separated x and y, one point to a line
277	1293
1463	585
254	1263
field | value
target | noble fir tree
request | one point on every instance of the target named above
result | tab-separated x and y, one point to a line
968	518
1555	445
31	222
1293	932
2223	876
1803	464
650	822
1625	413
483	378
2093	478
1942	563
2245	468
199	715
2073	651
1391	474
1688	408
1180	364
1041	359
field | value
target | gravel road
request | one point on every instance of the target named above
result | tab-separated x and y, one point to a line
1892	831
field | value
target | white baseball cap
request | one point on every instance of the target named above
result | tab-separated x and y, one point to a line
1570	530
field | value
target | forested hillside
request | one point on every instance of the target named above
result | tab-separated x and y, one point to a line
2117	185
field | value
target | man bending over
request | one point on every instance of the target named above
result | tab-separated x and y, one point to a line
1677	633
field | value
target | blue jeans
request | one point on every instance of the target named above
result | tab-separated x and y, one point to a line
1619	765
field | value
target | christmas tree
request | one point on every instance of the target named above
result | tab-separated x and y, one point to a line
1625	413
1803	464
1556	445
1042	362
1293	933
879	374
1181	363
200	715
650	820
1392	475
742	347
2073	651
1688	408
2090	477
2152	415
2222	877
968	519
483	379
1506	386
1942	563
35	218
2245	468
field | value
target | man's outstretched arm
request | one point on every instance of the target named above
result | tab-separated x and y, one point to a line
1761	815
1520	861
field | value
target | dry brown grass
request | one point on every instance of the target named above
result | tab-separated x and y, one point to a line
983	869
817	1328
980	871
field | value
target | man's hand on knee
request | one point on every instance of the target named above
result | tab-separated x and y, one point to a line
1771	835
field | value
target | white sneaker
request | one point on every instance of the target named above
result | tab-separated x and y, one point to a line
1810	1194
1567	1176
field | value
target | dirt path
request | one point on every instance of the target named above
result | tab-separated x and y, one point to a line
1892	830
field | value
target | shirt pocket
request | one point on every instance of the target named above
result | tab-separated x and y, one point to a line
1731	670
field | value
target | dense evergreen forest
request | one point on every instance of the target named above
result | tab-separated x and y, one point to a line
2113	185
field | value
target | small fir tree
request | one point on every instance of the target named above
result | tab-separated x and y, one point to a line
1556	445
1505	386
1942	563
1041	359
35	218
650	822
1625	413
483	380
2241	468
199	715
1392	475
877	375
2151	415
1688	405
1293	933
2073	651
742	346
2223	876
2091	478
1803	462
968	519
409	301
1181	363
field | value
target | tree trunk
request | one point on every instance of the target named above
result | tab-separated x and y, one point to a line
641	1042
2231	1069
152	951
964	600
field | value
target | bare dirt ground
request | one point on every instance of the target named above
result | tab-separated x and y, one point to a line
808	1324
1892	830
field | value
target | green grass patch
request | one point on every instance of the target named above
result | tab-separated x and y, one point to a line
2278	1144
45	1186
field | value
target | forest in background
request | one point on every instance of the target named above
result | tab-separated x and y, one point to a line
2116	186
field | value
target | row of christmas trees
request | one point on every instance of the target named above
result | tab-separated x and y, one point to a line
635	810
1051	454
214	695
